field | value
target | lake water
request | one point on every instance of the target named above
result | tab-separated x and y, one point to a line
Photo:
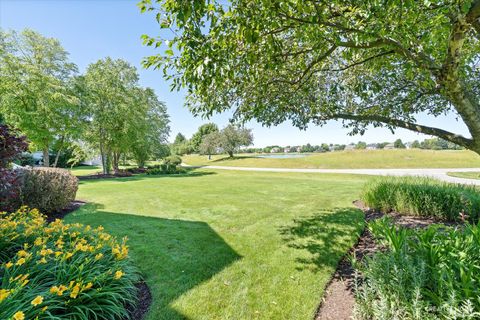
283	156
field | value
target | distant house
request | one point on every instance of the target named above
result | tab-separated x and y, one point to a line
95	161
275	150
389	146
372	146
286	150
408	145
350	146
298	149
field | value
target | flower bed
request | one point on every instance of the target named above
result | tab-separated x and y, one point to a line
62	271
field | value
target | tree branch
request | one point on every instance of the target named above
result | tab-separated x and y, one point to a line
446	135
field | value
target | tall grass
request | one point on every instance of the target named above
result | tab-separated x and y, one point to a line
422	197
422	274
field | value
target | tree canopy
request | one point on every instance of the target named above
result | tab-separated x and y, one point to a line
37	90
379	63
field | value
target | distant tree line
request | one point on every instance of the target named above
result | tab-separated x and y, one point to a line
70	116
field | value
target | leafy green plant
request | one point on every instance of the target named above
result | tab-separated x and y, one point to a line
165	169
172	160
422	274
422	197
48	189
62	271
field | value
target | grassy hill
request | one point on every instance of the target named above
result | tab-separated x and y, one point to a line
355	159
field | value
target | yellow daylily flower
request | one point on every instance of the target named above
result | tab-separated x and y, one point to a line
38	300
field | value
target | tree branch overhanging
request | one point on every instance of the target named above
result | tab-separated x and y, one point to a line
446	135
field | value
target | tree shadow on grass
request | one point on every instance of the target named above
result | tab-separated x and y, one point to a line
234	158
173	255
190	173
326	236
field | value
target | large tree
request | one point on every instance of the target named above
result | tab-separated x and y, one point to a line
379	63
110	87
37	93
233	137
148	129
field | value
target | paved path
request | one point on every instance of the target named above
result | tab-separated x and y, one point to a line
440	174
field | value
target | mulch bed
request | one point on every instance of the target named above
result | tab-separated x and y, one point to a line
339	300
144	295
74	205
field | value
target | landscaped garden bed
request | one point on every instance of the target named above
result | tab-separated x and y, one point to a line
408	266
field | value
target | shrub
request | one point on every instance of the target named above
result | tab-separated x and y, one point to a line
422	197
11	147
165	169
47	189
422	274
25	159
173	160
62	271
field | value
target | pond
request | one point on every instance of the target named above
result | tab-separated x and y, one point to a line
283	156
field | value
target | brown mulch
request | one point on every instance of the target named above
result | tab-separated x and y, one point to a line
136	312
339	300
104	176
144	302
74	205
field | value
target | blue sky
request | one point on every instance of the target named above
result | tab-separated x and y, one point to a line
93	29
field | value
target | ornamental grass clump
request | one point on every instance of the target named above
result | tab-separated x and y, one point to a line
62	271
423	197
420	274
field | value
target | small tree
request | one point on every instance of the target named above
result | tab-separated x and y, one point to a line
209	144
11	147
202	132
232	137
416	144
361	145
398	144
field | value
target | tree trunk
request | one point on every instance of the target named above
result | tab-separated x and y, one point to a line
115	162
58	152
209	157
46	157
230	154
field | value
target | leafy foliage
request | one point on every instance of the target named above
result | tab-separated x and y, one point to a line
47	189
38	88
202	132
423	197
11	147
231	138
422	274
364	62
62	271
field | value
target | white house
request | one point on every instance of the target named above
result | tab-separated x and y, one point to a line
350	146
372	146
389	146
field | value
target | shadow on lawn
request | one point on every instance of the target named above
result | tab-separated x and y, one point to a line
234	158
173	255
325	236
190	172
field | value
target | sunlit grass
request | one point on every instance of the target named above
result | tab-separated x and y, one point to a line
230	245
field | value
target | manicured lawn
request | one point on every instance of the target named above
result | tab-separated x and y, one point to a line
356	159
85	170
467	175
230	245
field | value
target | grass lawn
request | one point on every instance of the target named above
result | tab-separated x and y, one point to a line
230	245
467	175
355	159
85	170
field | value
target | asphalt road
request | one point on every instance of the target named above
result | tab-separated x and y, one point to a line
440	174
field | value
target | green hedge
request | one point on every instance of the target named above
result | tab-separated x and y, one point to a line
421	274
423	197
